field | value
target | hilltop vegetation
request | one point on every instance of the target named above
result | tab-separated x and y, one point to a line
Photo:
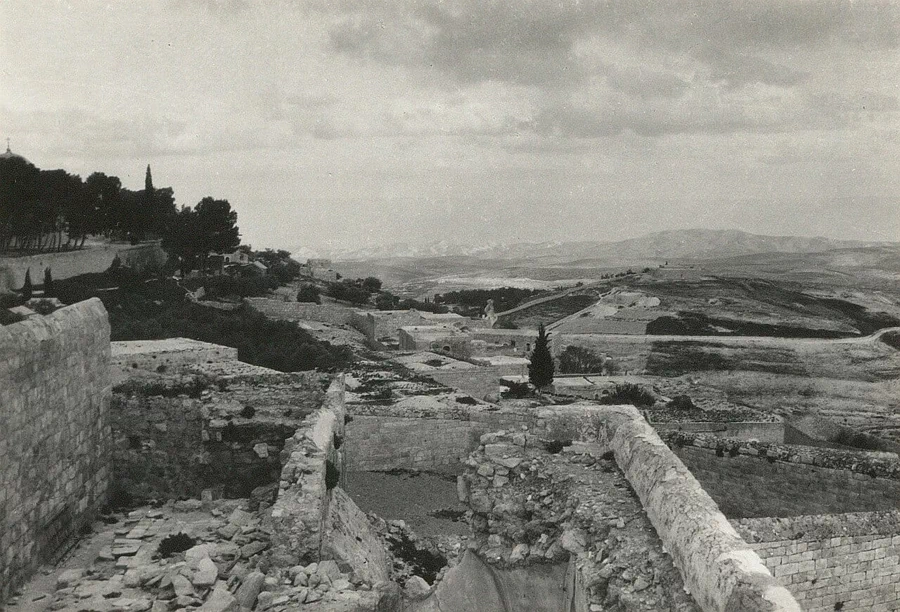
146	307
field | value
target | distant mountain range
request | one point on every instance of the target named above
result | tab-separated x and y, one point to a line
694	244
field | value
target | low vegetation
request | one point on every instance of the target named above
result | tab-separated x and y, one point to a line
580	360
629	393
149	308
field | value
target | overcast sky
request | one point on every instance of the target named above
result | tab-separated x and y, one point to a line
386	121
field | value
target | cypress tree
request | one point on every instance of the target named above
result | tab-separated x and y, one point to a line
27	288
540	370
48	282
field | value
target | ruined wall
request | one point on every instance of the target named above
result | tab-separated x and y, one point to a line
481	383
169	445
299	515
302	311
755	479
384	323
73	263
832	562
770	433
387	438
166	355
748	479
54	434
719	569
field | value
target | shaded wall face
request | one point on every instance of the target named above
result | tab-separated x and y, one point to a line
839	562
745	486
54	434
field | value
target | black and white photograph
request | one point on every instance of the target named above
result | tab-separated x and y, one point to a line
449	306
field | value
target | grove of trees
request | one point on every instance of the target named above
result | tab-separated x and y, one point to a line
53	210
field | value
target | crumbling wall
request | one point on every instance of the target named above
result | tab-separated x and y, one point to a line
719	568
313	463
166	355
832	562
178	440
390	437
74	263
749	479
385	323
770	433
479	382
302	311
54	434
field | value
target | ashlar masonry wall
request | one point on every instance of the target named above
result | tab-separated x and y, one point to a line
54	434
832	562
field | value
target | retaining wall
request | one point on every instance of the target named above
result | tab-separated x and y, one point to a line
832	562
73	263
54	434
302	311
750	479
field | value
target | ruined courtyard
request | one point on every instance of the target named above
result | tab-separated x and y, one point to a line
171	476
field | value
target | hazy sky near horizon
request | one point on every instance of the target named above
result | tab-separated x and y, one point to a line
365	123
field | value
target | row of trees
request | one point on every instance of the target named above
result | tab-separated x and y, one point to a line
52	209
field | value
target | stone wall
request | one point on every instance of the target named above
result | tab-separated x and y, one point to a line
302	311
73	263
832	562
169	444
770	433
719	569
386	438
54	434
311	457
479	382
166	355
750	479
385	323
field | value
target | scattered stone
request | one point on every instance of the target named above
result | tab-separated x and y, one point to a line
253	548
416	587
205	574
249	590
220	600
69	578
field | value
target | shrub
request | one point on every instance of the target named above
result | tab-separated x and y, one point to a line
8	318
309	293
629	393
27	287
681	402
516	390
348	292
580	360
42	307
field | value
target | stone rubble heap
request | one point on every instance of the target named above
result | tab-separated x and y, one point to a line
531	506
230	568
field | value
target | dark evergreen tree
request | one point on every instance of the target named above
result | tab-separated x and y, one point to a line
148	181
27	287
540	370
48	282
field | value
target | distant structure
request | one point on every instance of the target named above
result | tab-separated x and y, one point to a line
320	269
489	313
10	155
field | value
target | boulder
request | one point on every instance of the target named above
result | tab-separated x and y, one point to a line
249	590
416	587
220	600
206	573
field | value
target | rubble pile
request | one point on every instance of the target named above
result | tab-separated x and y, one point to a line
571	503
225	564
